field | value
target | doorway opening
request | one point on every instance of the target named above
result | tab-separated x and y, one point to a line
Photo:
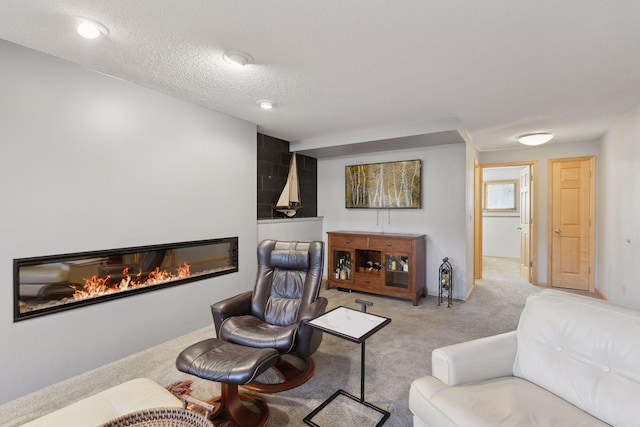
506	221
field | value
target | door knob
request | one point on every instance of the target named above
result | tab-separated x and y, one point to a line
518	228
557	231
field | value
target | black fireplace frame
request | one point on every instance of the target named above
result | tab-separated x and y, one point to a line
68	305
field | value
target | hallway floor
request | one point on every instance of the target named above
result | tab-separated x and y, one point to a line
506	271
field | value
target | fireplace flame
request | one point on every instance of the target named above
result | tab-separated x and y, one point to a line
102	285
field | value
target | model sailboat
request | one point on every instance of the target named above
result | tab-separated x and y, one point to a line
289	201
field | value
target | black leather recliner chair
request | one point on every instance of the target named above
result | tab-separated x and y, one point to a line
286	293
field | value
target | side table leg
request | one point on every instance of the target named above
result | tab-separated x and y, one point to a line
362	352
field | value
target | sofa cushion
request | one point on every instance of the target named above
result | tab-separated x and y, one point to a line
505	401
580	349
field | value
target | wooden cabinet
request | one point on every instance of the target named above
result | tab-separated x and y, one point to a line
379	263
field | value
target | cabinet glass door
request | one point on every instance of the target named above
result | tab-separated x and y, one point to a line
396	271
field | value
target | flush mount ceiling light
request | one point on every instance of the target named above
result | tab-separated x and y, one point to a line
91	29
265	104
237	58
535	138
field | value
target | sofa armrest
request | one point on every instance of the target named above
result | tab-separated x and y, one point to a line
477	360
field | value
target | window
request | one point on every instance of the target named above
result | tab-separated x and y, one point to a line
500	196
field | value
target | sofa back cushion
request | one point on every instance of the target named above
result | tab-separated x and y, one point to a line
585	350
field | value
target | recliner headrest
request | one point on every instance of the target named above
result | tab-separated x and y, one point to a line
290	259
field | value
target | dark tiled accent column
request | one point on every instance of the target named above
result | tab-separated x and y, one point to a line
273	166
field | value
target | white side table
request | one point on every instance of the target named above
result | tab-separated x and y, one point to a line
355	326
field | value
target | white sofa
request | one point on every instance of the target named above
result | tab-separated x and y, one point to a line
573	361
134	395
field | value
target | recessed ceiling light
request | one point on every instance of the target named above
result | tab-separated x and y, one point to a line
535	138
91	29
237	58
265	104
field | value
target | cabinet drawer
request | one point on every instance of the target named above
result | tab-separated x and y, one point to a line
348	242
382	244
364	280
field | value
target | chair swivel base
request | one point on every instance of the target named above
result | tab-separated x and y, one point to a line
291	376
230	403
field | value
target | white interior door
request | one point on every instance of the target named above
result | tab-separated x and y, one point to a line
571	222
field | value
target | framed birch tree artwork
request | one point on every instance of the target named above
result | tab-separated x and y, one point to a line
391	185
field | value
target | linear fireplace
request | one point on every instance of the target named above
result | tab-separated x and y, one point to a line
54	283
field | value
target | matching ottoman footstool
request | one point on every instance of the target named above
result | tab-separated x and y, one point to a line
231	365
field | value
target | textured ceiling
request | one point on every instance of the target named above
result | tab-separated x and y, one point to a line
362	70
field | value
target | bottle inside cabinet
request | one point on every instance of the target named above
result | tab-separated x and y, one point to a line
342	267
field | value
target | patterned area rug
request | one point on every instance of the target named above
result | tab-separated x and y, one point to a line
182	388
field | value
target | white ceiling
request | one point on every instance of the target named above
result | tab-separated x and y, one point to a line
339	70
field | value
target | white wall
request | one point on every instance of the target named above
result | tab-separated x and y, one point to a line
442	217
618	204
90	162
291	229
500	234
472	156
542	153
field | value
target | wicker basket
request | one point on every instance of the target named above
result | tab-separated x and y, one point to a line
160	417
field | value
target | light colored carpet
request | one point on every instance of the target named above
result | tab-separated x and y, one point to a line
395	356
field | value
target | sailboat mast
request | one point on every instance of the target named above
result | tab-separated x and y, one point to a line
294	186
